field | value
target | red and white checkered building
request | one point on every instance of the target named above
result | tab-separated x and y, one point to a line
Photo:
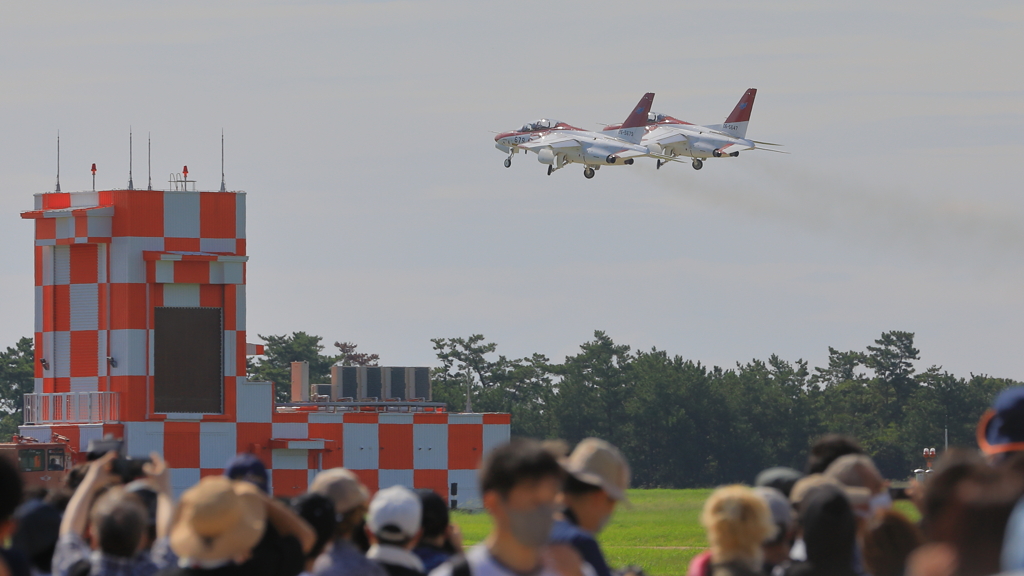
106	261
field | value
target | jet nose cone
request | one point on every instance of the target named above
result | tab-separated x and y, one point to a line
502	136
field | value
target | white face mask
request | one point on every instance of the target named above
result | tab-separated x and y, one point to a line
880	501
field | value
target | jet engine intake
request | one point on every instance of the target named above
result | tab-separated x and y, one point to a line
654	148
546	156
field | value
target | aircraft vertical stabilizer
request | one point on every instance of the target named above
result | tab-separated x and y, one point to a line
635	126
736	124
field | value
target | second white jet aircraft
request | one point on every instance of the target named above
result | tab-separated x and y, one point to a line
670	137
558	144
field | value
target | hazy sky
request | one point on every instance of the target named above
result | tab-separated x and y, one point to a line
379	210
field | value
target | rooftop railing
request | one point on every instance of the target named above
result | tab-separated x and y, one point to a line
71	408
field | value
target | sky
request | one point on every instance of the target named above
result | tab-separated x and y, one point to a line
379	211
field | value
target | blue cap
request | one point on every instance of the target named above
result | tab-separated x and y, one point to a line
248	467
1001	428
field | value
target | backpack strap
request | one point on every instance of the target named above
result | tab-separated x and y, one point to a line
460	566
80	568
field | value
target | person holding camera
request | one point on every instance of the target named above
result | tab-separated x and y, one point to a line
102	531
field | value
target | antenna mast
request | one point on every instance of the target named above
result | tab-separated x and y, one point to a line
131	185
149	159
222	187
58	162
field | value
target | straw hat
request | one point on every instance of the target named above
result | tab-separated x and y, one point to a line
218	519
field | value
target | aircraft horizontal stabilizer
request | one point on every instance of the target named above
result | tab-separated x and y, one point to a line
766	143
771	150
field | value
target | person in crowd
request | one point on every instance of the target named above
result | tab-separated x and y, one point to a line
519	482
318	511
441	539
12	562
776	548
216	526
1000	430
828	529
149	497
393	527
888	541
858	470
738	522
597	477
1012	557
827	449
349	498
114	520
287	538
37	533
780	478
938	502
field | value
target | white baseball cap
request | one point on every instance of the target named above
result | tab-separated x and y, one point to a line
394	514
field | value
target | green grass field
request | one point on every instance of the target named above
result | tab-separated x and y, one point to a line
661	532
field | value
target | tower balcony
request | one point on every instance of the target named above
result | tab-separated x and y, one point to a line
71	408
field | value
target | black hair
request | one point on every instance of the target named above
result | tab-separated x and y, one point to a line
828	449
319	512
519	461
10	488
575	487
435	513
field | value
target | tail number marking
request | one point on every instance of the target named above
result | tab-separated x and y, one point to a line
626	133
731	126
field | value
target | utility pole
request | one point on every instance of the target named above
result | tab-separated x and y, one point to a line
469	385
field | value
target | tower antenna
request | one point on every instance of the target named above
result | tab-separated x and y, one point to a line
58	162
131	185
222	187
149	159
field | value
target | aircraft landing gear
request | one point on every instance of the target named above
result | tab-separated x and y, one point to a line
658	167
588	172
508	162
550	169
697	164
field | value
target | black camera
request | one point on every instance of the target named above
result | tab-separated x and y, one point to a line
126	468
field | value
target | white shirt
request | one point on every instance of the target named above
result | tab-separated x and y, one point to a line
481	563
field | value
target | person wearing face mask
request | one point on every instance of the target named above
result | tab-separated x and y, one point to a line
596	481
519	483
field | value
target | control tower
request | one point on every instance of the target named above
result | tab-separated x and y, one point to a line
140	332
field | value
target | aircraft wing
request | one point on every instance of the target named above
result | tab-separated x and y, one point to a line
551	141
665	137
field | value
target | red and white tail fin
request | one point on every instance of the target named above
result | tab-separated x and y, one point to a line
635	126
736	123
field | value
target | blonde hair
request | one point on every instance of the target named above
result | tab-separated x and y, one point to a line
738	521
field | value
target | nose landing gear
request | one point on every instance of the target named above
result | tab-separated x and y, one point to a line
508	162
697	164
588	172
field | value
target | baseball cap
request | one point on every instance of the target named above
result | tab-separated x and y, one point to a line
782	512
779	477
248	467
38	527
394	514
1001	428
341	487
598	463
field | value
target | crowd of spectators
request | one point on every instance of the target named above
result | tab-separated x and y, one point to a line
547	507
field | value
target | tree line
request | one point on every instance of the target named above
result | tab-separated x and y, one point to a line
680	423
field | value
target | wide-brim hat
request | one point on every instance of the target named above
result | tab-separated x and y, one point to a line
1001	428
598	463
218	519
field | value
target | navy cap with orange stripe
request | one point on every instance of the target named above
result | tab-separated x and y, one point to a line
1001	428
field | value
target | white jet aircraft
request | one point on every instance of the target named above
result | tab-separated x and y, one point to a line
558	144
668	138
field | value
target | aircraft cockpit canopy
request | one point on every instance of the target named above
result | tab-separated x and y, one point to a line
655	117
542	124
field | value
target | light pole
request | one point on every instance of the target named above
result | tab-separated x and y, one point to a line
469	385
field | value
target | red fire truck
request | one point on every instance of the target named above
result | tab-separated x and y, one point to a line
41	463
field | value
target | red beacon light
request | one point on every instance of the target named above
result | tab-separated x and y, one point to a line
94	169
184	171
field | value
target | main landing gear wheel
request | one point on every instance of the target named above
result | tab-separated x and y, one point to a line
550	170
697	164
508	162
588	172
